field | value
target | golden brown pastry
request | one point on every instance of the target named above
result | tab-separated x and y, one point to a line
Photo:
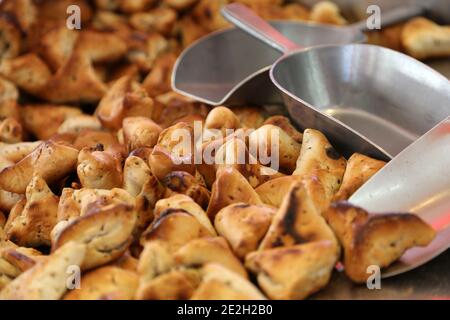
221	119
50	160
8	100
201	251
174	151
422	39
140	132
143	53
180	4
374	239
232	152
155	259
249	117
285	124
98	169
173	107
47	279
14	261
188	30
273	192
11	131
359	169
76	203
184	183
10	43
23	11
100	46
105	283
230	187
244	226
326	12
93	138
286	149
297	221
175	227
319	158
15	152
183	202
123	99
158	80
44	120
389	37
129	6
79	123
294	11
76	81
208	14
57	45
219	283
173	285
32	219
293	272
105	230
140	183
27	72
160	19
8	200
108	4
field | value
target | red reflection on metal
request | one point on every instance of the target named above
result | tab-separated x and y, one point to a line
440	298
442	222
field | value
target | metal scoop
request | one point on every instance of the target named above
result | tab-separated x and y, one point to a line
365	98
417	180
229	67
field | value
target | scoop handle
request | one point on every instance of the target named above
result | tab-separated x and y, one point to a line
246	20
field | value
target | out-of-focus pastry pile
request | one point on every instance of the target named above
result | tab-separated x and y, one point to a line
91	178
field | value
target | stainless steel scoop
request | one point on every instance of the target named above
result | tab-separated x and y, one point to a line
417	180
365	98
228	67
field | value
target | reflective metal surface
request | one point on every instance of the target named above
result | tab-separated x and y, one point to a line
386	96
344	138
418	181
217	68
430	281
212	69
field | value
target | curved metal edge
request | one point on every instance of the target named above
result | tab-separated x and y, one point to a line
223	101
282	89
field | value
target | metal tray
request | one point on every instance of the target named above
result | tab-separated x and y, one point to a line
430	281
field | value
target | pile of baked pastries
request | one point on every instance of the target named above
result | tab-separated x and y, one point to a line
96	201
